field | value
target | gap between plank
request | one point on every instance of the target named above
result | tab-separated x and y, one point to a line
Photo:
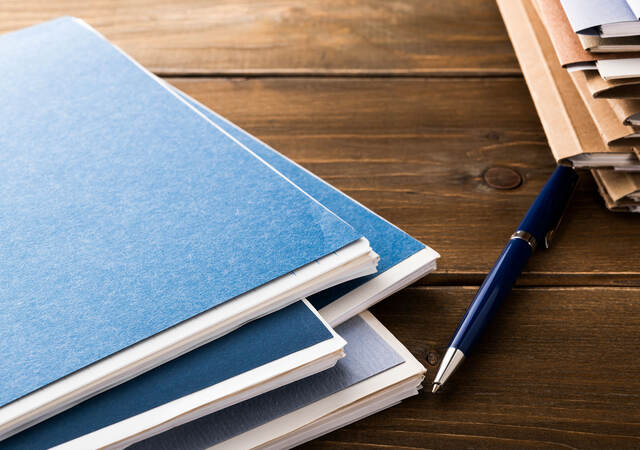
546	287
343	73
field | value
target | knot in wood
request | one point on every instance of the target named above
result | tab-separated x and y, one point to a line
502	178
432	358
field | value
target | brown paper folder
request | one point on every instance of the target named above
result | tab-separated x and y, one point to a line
610	124
600	88
566	43
621	185
597	44
573	136
626	110
620	191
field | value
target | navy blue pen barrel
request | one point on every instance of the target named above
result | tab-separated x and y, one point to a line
491	294
547	209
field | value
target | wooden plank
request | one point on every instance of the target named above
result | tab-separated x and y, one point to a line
403	37
415	151
556	369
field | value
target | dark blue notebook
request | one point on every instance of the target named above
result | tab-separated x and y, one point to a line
367	355
264	340
124	213
391	243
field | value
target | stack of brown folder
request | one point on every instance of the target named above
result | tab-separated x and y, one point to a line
590	123
620	190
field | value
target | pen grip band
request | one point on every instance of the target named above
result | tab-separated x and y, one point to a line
525	236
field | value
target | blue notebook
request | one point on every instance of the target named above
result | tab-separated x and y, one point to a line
127	217
375	362
367	355
305	411
278	336
403	259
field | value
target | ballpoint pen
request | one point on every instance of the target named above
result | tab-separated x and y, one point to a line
537	227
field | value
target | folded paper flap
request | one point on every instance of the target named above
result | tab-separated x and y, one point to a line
635	7
611	127
601	88
588	41
566	43
588	15
593	43
570	129
548	101
581	123
608	201
624	109
622	205
619	184
589	140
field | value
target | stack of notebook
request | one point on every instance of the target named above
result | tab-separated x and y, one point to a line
581	62
168	280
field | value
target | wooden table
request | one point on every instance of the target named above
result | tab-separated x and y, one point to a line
405	105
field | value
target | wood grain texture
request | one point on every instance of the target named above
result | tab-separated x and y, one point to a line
415	150
405	105
555	370
399	37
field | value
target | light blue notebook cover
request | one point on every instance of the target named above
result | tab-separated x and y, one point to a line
391	243
367	355
586	16
122	212
264	340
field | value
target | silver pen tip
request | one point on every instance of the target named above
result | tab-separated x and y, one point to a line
452	359
435	388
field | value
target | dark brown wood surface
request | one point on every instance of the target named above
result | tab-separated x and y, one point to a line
415	151
553	371
358	37
417	109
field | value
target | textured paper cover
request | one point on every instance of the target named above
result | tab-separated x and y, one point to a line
367	355
123	212
264	340
391	243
